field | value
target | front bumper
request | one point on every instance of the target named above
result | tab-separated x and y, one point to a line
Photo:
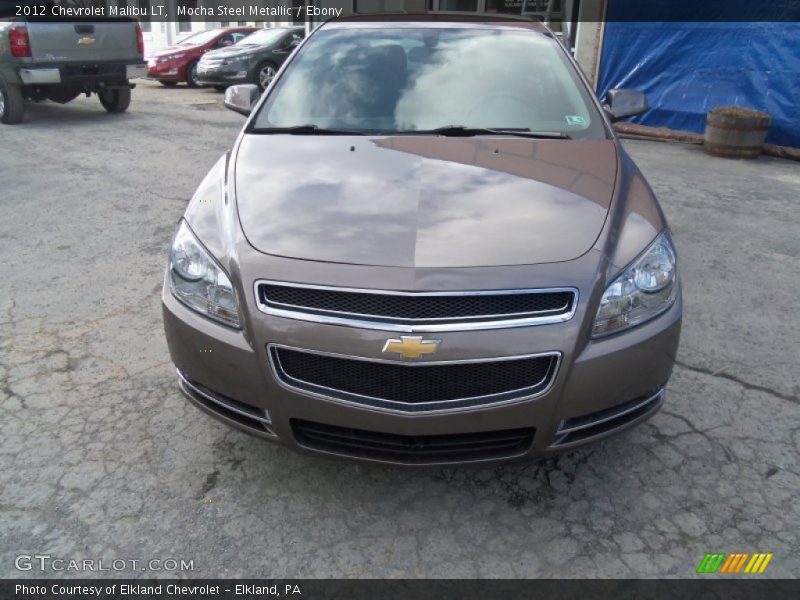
167	71
222	75
606	386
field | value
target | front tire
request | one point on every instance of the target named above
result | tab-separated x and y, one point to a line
115	101
12	104
265	72
191	76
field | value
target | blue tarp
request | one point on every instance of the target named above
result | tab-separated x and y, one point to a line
688	68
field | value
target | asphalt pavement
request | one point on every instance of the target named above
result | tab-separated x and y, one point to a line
102	458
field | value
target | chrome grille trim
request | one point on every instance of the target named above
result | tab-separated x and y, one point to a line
613	414
584	428
471	323
255	414
432	407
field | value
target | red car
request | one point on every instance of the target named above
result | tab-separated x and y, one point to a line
179	63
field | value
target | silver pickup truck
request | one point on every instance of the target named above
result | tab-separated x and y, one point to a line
58	60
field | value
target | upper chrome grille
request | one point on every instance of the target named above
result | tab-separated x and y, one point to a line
416	311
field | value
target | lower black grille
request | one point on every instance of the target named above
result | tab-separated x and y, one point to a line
413	449
417	308
414	386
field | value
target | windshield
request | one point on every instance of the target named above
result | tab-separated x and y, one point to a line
406	80
262	38
200	38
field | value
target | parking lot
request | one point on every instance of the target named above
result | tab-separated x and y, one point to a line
101	457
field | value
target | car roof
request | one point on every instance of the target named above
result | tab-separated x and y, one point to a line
436	19
281	28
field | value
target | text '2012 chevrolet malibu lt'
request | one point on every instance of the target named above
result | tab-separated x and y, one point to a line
427	246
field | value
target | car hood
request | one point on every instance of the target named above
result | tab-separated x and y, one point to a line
423	201
173	50
232	51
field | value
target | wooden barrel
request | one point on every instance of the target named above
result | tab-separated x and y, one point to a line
735	132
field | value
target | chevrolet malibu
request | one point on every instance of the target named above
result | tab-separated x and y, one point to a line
427	246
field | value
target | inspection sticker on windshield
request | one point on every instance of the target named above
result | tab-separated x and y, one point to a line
575	120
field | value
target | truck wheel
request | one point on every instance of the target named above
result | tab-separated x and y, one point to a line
12	106
191	76
115	101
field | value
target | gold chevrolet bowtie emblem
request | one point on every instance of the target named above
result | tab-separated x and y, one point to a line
86	41
411	346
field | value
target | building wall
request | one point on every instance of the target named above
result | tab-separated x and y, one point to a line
589	37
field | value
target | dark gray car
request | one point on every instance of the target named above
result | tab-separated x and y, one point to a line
255	59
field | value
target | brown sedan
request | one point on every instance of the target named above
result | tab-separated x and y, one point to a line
426	246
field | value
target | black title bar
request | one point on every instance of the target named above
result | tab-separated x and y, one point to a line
322	10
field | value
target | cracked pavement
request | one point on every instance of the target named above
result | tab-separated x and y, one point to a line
101	457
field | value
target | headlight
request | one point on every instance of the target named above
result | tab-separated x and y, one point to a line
643	291
172	57
197	280
234	60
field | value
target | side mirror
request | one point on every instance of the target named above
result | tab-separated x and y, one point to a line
625	103
294	43
242	98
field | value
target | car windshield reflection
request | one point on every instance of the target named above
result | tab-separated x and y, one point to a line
418	80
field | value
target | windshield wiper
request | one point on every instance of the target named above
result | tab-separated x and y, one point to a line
449	131
462	131
307	130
